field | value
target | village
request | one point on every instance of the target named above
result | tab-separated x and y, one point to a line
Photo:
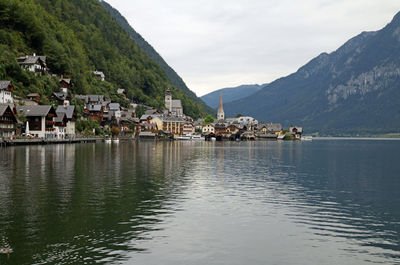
25	118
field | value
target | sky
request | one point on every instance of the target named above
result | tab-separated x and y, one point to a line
213	44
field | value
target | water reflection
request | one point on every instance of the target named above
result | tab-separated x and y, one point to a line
201	203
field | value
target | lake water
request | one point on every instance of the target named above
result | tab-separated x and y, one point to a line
319	202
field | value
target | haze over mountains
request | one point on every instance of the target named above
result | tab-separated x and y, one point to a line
354	90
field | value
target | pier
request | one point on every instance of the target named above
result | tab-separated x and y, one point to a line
14	142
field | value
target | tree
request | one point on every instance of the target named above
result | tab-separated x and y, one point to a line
114	131
239	115
139	111
209	119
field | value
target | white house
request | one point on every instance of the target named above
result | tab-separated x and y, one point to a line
33	63
70	113
6	89
99	75
208	128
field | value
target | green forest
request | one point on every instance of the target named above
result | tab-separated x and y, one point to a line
79	37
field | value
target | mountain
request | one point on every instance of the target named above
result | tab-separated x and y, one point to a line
229	94
173	77
354	90
78	37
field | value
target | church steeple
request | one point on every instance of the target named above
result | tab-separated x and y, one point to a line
220	113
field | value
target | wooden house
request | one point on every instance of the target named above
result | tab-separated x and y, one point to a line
7	121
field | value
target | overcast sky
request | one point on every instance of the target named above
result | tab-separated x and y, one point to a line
214	44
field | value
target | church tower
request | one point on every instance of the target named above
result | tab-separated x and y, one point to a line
168	100
220	113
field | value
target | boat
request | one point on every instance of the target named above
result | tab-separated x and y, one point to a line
306	138
6	250
281	137
213	139
197	138
183	138
115	141
107	141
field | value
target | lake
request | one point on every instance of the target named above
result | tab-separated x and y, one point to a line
320	202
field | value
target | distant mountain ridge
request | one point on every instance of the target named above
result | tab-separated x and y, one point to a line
354	90
230	94
173	77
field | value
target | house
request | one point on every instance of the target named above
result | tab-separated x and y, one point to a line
296	131
33	97
33	63
60	97
40	120
174	106
70	113
60	125
95	111
151	119
65	85
269	128
233	128
188	128
173	124
7	121
220	128
114	110
208	128
99	75
6	89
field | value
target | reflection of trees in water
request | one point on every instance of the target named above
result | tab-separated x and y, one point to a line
68	202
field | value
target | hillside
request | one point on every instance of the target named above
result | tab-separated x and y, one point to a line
354	90
230	94
79	37
173	77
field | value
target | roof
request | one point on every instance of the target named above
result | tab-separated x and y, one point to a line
176	103
4	84
60	95
172	119
66	80
33	95
3	108
68	110
31	59
120	91
94	107
99	73
114	106
60	117
33	111
95	98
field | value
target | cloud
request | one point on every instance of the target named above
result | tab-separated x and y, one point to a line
215	44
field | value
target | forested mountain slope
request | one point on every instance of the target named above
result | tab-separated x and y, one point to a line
79	37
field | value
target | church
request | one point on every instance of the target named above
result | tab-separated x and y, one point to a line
220	112
174	106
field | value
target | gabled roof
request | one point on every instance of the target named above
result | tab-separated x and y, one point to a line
31	59
4	84
114	106
94	107
34	111
68	110
60	117
60	95
99	73
66	80
176	103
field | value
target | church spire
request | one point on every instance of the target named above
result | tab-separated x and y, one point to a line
220	113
